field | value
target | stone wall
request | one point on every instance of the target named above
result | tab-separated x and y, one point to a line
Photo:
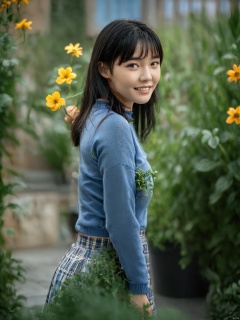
39	225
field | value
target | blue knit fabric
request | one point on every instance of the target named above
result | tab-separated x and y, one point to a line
109	203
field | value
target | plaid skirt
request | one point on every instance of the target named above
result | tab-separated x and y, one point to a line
78	257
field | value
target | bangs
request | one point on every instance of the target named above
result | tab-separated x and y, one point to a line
146	43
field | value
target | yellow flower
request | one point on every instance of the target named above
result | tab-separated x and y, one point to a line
24	24
65	75
54	101
4	4
234	75
75	50
234	115
19	1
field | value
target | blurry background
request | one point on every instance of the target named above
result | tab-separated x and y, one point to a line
47	162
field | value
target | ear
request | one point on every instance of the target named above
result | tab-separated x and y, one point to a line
103	69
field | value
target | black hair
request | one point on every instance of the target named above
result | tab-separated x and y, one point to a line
118	40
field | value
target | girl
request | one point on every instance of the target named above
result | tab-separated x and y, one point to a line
117	110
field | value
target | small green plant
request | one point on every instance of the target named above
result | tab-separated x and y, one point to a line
10	273
55	146
144	181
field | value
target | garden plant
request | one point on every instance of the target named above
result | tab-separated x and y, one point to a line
195	150
11	270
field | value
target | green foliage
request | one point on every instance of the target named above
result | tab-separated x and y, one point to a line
55	147
223	301
10	272
99	294
196	154
51	55
10	269
144	181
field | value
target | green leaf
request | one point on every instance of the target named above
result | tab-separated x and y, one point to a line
226	136
229	56
234	169
218	70
10	62
5	101
191	132
214	197
206	135
206	165
223	183
188	226
213	142
14	206
211	275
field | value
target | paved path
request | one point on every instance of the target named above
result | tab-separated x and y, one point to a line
41	263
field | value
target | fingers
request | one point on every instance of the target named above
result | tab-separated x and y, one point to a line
141	301
71	113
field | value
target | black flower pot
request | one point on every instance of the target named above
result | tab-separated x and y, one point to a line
170	280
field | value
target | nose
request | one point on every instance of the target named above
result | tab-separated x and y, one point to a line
146	74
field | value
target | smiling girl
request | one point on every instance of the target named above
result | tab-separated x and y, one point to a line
117	110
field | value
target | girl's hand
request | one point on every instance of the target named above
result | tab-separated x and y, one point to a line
140	300
71	113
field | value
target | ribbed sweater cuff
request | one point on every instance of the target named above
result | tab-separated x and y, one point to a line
138	288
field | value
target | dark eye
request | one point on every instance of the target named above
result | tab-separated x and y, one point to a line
132	65
155	63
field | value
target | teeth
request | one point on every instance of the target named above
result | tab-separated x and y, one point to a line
143	89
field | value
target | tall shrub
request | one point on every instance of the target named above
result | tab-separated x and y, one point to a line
10	269
196	153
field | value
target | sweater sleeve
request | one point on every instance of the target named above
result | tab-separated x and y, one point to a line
115	151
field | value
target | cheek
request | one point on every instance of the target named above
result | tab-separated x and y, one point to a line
157	76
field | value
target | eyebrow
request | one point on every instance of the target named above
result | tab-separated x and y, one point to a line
139	58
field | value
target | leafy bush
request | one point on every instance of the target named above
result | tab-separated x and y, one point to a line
223	302
10	272
99	294
196	154
10	269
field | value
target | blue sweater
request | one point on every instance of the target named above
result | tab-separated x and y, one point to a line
109	203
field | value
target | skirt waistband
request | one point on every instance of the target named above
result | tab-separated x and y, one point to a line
92	242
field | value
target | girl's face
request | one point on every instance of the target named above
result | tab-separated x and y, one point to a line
134	81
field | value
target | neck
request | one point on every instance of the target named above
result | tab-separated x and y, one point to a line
128	109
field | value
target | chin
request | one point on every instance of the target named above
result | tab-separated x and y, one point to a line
142	101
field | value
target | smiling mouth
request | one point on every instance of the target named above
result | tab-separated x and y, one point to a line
143	88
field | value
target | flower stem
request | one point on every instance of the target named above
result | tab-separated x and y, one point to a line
73	96
223	152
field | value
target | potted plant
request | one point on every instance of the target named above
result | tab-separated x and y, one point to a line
175	270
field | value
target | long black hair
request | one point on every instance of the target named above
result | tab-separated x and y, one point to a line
118	39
